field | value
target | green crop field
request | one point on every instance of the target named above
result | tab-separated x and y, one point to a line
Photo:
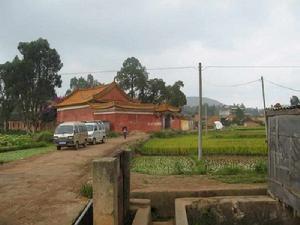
238	141
238	170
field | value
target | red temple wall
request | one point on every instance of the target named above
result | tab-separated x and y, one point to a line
141	122
80	114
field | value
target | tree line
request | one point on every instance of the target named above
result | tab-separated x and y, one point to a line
29	82
133	78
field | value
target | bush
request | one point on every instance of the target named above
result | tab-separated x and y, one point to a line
165	134
44	136
112	134
23	146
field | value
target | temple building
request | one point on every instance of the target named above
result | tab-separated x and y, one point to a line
109	103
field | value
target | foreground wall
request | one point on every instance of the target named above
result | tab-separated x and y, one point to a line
284	156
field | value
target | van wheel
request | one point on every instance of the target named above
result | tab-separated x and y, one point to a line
76	145
94	141
58	147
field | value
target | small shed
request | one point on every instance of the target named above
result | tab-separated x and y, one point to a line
284	154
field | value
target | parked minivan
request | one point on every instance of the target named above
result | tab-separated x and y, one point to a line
96	132
71	134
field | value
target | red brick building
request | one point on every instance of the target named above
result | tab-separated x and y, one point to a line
110	103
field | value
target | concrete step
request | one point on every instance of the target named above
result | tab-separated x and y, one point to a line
167	222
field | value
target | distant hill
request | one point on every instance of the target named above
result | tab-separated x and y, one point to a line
194	101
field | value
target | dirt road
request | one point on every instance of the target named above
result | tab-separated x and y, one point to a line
45	189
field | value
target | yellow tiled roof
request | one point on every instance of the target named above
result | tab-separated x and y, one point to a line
82	96
135	106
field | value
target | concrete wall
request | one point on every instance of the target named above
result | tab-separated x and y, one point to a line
284	158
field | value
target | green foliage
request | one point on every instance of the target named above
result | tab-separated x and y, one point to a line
261	167
22	154
78	83
86	190
23	146
113	134
44	136
175	96
166	134
18	142
228	142
224	169
35	77
133	77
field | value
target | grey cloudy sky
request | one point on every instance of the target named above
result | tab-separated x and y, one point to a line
99	35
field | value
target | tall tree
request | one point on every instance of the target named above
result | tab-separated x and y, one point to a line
294	100
77	83
7	92
156	91
175	96
36	78
133	77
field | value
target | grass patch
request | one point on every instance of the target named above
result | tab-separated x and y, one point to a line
22	154
252	170
86	190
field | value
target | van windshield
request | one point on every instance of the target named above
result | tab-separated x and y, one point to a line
89	127
64	129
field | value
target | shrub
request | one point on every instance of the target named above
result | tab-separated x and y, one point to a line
112	134
44	136
86	190
23	146
261	167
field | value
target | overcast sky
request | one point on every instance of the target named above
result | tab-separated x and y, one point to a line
100	35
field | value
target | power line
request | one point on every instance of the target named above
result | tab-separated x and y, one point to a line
251	66
282	86
115	71
234	85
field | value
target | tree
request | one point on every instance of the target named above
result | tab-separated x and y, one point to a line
175	96
133	77
36	78
239	115
77	83
294	100
155	91
7	91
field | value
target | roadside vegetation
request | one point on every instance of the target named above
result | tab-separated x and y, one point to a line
237	155
14	146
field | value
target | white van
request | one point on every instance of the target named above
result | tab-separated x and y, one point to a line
96	132
70	134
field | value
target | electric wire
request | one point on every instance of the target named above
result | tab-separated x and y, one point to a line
282	86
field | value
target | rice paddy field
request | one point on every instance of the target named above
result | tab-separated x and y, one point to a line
237	155
239	141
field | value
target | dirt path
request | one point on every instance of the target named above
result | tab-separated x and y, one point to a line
45	189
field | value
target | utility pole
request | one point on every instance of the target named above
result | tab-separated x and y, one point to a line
200	114
206	120
264	101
